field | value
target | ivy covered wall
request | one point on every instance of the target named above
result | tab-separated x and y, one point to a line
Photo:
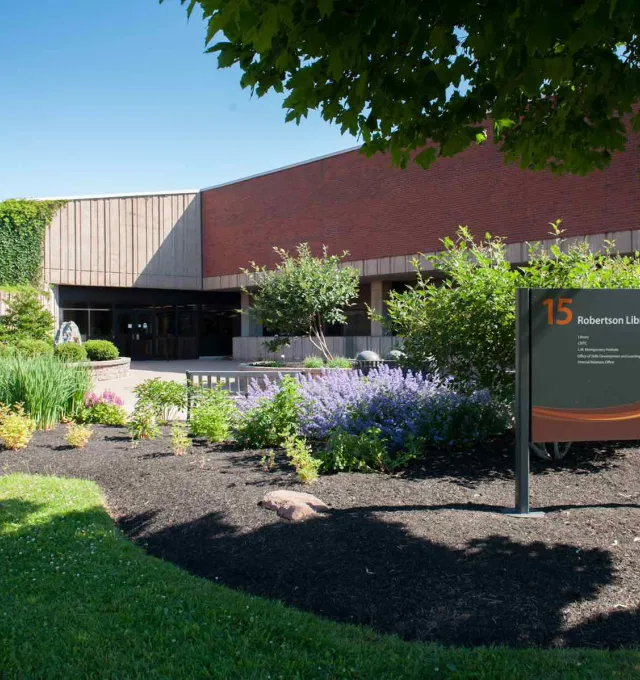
22	228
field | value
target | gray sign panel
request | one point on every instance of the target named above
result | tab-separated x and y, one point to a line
585	365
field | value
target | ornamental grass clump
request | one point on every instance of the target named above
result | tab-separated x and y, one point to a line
49	390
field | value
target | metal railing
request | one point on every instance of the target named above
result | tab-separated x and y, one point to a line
235	382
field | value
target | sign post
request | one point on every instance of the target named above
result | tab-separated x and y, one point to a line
577	371
523	404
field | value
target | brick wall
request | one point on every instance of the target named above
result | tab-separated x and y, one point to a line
372	210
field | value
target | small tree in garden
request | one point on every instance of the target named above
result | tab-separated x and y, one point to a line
302	294
466	326
26	318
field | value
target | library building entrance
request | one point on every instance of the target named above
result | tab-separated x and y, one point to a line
154	324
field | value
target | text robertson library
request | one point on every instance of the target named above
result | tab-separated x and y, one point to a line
608	320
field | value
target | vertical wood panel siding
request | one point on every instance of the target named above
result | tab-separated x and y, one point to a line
144	241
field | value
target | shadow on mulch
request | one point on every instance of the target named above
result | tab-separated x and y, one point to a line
388	556
492	591
493	462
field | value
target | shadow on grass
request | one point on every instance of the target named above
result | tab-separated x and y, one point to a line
490	591
353	567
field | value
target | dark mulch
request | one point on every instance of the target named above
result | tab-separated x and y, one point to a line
428	556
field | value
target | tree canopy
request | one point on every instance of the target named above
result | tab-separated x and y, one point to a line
302	294
421	79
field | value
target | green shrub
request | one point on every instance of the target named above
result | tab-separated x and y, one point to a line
273	420
49	390
299	453
101	350
16	428
26	318
180	441
70	352
166	397
313	362
213	415
34	348
104	414
466	326
7	351
143	423
463	423
364	452
78	435
339	362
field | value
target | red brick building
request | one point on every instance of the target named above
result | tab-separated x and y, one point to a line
384	216
160	273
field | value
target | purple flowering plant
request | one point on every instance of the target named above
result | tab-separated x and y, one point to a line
403	407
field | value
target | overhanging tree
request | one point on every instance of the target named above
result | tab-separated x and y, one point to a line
302	294
556	77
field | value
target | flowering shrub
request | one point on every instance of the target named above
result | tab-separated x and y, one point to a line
103	409
403	409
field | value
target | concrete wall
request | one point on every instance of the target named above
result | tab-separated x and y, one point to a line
149	241
252	348
382	214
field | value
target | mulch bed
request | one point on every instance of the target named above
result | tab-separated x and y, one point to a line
427	555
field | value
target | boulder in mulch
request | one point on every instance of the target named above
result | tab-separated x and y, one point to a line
295	506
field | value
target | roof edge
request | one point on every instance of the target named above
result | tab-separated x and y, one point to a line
282	168
122	195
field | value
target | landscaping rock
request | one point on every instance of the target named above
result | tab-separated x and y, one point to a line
295	506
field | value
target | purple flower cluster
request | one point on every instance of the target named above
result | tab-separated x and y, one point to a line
107	397
402	406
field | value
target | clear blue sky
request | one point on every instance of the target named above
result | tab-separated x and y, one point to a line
118	96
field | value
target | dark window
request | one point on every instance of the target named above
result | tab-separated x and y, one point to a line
100	324
186	323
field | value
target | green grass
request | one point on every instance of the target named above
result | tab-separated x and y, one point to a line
77	600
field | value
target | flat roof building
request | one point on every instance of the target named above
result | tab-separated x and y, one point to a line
160	273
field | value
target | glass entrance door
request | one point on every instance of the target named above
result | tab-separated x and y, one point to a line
135	333
144	335
165	333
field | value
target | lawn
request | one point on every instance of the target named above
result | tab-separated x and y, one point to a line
79	600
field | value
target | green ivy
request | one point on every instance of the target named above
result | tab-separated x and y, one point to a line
22	227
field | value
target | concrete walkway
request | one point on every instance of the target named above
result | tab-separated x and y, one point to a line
166	370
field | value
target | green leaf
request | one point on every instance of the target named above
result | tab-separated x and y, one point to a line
426	158
325	7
